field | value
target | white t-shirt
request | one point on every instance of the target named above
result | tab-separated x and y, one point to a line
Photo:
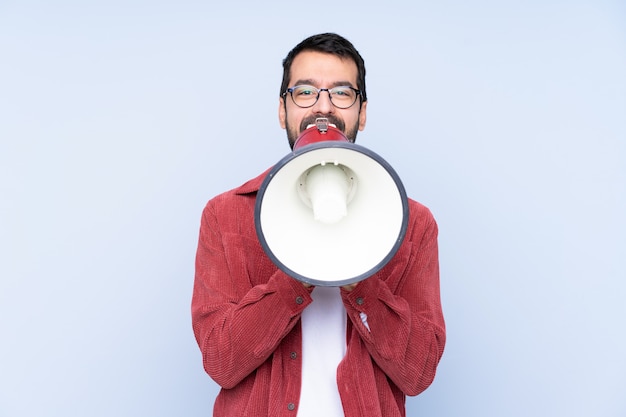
323	347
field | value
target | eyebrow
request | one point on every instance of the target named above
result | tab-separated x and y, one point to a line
314	83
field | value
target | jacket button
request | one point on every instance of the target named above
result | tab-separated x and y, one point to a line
291	406
293	355
359	301
299	300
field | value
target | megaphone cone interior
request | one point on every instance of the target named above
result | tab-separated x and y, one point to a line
327	189
318	226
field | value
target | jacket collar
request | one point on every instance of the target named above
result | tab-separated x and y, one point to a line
253	185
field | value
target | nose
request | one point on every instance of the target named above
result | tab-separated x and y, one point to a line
323	104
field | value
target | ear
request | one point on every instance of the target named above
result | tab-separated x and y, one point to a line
282	113
363	115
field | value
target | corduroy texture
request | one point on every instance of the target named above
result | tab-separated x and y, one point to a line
246	319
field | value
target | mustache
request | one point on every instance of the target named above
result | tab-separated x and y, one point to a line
339	124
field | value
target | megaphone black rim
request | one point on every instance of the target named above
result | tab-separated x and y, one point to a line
309	148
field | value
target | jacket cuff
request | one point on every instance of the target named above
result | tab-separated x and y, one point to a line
295	295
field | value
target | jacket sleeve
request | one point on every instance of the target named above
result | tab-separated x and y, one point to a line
238	324
397	312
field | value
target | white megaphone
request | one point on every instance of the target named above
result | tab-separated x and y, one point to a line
330	213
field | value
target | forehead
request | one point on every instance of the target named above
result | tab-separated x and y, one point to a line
322	70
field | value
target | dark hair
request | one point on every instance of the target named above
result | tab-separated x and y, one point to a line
330	43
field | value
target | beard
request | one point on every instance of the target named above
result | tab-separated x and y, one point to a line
293	134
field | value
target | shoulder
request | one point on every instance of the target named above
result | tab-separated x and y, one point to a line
421	220
419	210
244	191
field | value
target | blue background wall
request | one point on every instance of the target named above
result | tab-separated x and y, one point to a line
120	119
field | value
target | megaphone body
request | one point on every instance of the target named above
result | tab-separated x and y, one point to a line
331	213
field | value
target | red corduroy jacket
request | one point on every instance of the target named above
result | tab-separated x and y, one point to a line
246	319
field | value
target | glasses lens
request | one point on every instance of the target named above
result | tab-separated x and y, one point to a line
304	95
343	97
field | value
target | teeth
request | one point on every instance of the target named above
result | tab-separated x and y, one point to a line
329	124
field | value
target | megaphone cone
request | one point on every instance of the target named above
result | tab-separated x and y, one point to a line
331	213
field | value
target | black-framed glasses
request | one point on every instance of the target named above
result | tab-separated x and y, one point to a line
305	96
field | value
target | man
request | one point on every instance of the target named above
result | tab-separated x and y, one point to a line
279	347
